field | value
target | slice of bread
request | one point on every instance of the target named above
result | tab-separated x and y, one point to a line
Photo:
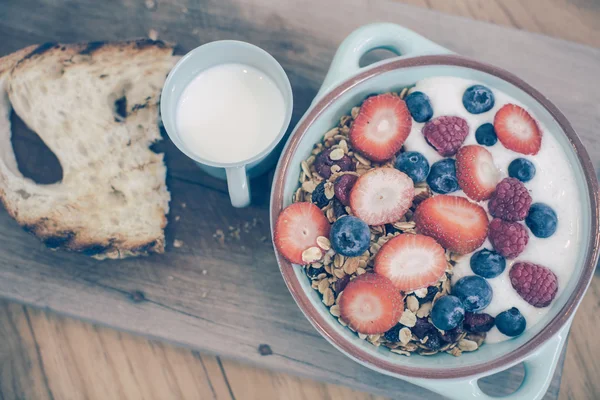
95	105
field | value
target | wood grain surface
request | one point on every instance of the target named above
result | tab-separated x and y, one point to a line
46	356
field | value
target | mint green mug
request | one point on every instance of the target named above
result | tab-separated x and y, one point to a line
191	65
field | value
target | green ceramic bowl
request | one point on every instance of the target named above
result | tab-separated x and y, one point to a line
345	86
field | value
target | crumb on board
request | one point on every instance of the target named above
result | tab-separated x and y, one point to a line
204	272
177	243
235	232
220	236
177	218
153	34
150	4
183	205
248	226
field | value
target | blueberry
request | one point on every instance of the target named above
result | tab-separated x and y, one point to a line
487	263
486	135
511	322
419	106
522	169
318	195
393	335
434	341
339	210
474	292
542	220
313	273
431	292
389	229
350	236
442	176
478	99
447	313
413	164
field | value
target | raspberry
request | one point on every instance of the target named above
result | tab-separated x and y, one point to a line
508	238
478	323
536	284
422	328
341	283
446	134
323	163
342	188
510	201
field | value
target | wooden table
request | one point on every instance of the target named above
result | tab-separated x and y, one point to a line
46	356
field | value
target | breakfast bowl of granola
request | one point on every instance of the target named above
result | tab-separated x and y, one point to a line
435	218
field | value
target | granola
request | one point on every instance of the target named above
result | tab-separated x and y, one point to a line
330	272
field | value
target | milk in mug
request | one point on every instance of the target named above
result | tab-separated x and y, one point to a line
230	113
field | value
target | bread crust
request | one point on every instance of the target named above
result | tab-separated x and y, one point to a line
76	234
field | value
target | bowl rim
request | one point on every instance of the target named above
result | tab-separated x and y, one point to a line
365	357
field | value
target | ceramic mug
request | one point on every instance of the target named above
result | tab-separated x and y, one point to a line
346	85
200	59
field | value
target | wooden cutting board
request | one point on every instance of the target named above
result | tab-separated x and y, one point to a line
224	294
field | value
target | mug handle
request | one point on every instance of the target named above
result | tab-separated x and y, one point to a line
539	371
238	186
395	38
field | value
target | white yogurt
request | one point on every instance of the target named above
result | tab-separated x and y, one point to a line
553	184
230	113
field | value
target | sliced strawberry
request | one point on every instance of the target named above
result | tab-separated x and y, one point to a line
457	224
381	196
370	304
297	229
476	172
411	261
517	130
381	127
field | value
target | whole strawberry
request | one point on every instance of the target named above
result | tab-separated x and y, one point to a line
508	238
536	284
510	201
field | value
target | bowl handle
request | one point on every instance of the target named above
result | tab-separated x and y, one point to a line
395	38
539	371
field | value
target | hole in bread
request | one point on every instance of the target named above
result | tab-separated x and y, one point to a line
118	196
24	195
376	55
82	150
34	159
120	109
